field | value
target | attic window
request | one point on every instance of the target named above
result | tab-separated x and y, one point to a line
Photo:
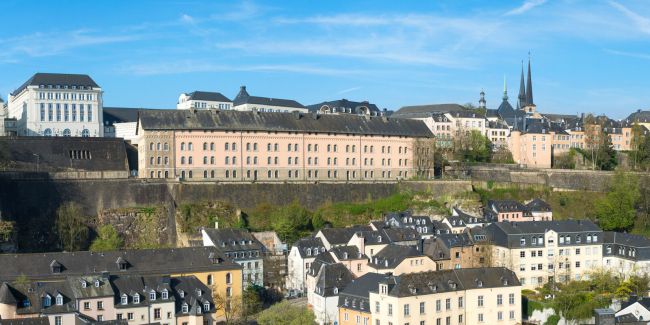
184	308
47	301
199	292
152	295
336	290
479	283
206	306
59	300
136	298
181	293
84	284
165	294
96	283
124	299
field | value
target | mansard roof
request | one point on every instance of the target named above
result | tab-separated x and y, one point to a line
60	79
244	98
280	122
208	96
345	104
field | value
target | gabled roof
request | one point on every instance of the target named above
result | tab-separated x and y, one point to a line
392	255
244	98
356	295
208	96
320	260
637	241
538	205
122	114
640	116
233	239
340	236
280	122
332	278
502	206
313	245
343	253
61	79
36	266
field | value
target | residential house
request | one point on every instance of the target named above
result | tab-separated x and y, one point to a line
504	210
203	100
464	296
245	102
302	254
459	221
546	251
455	251
538	210
332	237
399	259
354	300
329	281
626	254
240	246
406	219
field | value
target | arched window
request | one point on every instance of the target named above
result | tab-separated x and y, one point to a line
212	174
151	146
211	146
212	160
85	133
209	279
276	147
182	146
277	174
205	146
166	146
47	132
158	146
234	146
159	174
226	146
66	133
166	174
268	174
228	278
183	174
189	160
205	160
189	174
190	146
182	160
205	174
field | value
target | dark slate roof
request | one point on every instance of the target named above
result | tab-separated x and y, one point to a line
7	294
491	112
638	241
356	295
542	226
508	234
347	253
122	114
313	244
77	289
628	246
139	261
463	218
440	227
406	219
234	240
392	255
504	206
107	154
331	277
343	105
455	240
190	286
467	114
425	283
426	110
320	260
61	79
26	321
340	236
639	116
280	122
538	205
438	248
208	96
244	98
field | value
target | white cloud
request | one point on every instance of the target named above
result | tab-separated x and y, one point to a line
185	18
349	90
642	23
525	7
629	54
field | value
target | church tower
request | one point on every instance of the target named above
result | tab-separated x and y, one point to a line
521	99
530	105
481	101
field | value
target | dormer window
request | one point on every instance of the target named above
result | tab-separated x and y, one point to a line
379	239
181	293
383	289
56	267
479	283
84	284
336	290
136	298
96	283
124	299
206	306
47	301
308	251
59	300
199	292
152	295
184	308
165	294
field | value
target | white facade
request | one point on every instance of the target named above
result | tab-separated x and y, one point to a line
297	268
57	108
325	309
637	309
126	130
187	101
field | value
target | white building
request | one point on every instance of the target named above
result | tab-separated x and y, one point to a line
54	104
203	100
241	247
301	255
246	102
543	251
626	254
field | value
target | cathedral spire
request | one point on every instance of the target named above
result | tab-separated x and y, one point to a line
529	85
505	88
521	100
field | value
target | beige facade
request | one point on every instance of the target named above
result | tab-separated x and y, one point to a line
407	265
531	149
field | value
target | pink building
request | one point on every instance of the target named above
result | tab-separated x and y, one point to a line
218	145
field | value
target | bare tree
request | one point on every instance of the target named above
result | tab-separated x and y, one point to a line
230	306
424	157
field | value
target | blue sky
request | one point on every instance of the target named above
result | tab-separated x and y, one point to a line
588	56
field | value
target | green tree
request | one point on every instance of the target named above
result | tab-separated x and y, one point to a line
71	227
473	147
606	154
107	240
616	211
286	313
566	160
251	302
291	221
576	301
502	156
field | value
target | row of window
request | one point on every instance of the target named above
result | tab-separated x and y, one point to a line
438	304
69	112
66	96
66	133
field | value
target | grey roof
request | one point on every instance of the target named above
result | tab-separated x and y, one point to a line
280	122
438	248
392	255
347	253
143	261
639	116
7	294
61	79
42	320
504	206
628	246
424	283
462	218
538	205
244	98
509	234
440	227
426	110
320	260
234	240
190	286
344	104
103	290
123	114
332	276
313	244
356	295
340	236
208	96
406	219
467	113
